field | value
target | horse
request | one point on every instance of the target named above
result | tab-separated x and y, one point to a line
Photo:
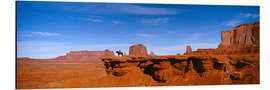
120	53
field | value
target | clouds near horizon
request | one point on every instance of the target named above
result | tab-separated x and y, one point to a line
37	34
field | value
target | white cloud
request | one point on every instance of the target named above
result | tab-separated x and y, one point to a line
94	16
196	36
135	9
144	35
248	15
155	21
94	20
108	8
36	34
116	22
232	23
132	9
44	33
70	16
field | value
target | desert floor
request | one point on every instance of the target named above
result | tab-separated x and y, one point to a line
57	73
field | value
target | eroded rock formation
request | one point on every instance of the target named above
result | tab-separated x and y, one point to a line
138	50
86	55
243	38
108	53
188	49
185	70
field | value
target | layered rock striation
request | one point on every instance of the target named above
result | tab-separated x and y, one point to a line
86	55
186	70
243	39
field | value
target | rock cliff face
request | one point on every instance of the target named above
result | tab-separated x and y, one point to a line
187	70
243	38
188	49
86	55
138	50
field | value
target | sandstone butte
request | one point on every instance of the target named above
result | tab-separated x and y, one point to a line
138	50
235	61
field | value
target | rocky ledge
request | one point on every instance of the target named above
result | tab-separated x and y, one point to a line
189	69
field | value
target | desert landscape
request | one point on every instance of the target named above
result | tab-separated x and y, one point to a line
236	60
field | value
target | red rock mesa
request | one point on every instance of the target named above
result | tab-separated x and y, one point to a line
86	55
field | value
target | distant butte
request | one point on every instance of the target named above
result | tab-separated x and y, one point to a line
86	55
138	50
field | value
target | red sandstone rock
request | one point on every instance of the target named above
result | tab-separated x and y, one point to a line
188	49
138	50
86	55
108	53
243	38
24	58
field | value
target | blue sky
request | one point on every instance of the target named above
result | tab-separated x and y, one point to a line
50	29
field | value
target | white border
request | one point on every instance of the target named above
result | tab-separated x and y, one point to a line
7	45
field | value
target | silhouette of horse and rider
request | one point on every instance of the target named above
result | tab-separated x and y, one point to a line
120	53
